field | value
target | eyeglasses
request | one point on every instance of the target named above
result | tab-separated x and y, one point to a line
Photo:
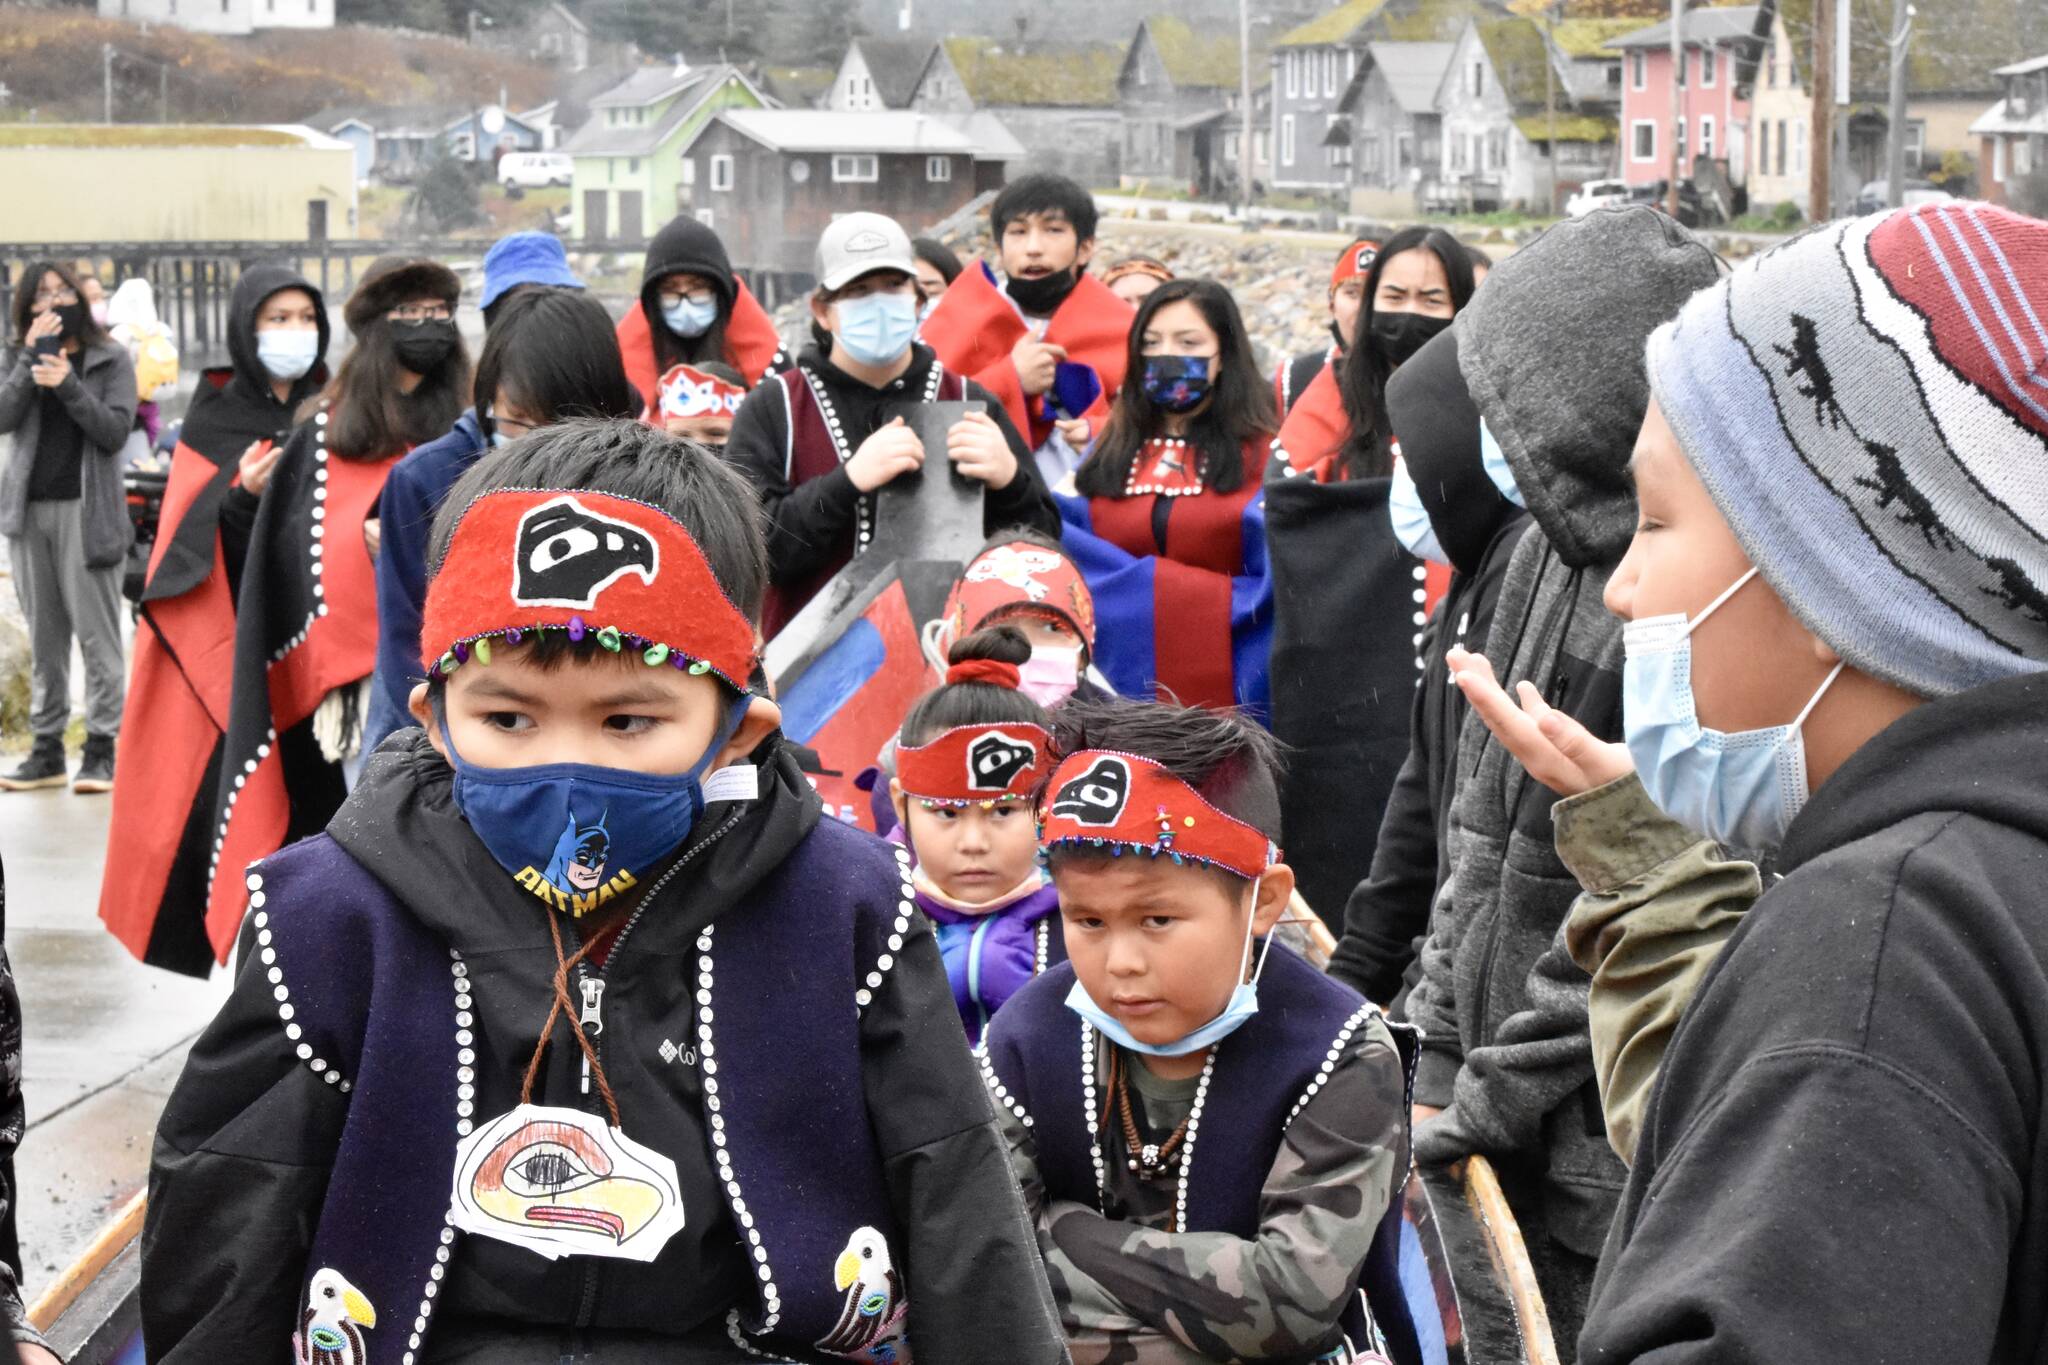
58	296
511	428
416	313
701	298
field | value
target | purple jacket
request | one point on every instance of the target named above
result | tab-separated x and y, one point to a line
990	957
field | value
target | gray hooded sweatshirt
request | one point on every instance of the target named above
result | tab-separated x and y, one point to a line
1552	350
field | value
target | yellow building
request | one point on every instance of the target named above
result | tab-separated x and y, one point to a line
139	182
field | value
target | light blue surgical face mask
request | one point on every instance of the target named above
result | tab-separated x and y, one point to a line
877	329
1243	1004
1496	461
689	318
288	352
1411	518
1741	787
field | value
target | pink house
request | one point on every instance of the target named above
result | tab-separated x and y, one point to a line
1720	66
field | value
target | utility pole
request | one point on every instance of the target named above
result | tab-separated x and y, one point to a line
1550	106
163	93
1895	151
1821	154
107	81
1244	95
1677	103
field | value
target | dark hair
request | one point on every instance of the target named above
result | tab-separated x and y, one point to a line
1240	404
718	369
498	306
938	256
90	332
1230	759
1478	258
630	459
1043	192
1362	375
370	417
1028	535
974	703
555	352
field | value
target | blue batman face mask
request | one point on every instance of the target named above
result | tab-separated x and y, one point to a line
578	835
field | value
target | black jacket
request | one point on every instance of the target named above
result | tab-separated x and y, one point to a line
811	523
243	1151
1844	1158
1388	911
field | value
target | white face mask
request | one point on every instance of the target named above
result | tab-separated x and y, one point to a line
1740	787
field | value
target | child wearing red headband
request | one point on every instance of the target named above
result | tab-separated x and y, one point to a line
1178	1145
1023	579
581	1026
970	756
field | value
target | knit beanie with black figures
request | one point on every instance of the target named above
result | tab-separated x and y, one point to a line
1868	407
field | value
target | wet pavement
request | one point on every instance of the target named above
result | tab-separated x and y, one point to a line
104	1036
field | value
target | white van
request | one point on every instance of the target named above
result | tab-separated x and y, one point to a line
533	170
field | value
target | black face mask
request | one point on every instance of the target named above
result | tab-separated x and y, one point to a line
423	347
1400	335
73	316
1045	294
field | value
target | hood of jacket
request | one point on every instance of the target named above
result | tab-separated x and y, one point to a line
241	407
1553	353
401	823
686	244
1437	423
1977	753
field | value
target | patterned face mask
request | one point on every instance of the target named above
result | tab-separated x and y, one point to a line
1177	383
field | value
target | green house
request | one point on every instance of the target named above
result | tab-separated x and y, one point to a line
629	168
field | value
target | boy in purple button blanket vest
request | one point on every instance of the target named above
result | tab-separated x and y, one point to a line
579	1033
1189	1105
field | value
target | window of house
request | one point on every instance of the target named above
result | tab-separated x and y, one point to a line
611	169
1684	163
1998	160
1684	66
1293	69
1916	144
2022	156
1477	82
1404	151
1287	139
938	169
707	217
1784	164
1799	146
1330	73
1707	66
689	171
721	171
1638	70
1707	135
1642	140
858	168
1771	68
632	165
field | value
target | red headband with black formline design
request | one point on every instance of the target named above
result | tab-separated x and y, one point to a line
1354	264
973	764
525	560
1100	798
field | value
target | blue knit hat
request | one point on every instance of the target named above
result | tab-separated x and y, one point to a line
525	258
1868	407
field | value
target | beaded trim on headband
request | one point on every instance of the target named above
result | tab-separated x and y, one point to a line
972	765
1103	799
525	561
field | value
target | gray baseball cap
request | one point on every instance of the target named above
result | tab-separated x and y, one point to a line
859	244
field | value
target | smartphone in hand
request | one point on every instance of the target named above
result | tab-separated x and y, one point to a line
48	346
